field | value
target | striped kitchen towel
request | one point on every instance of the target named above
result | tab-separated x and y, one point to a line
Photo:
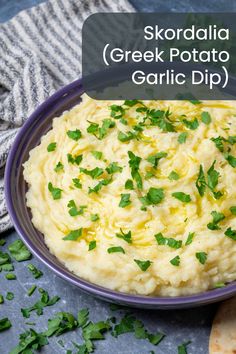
40	51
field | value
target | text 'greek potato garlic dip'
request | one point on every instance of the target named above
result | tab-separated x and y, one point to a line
139	197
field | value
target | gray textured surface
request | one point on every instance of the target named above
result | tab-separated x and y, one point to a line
179	326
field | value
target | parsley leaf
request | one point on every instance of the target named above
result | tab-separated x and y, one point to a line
190	238
217	217
61	323
117	112
182	348
92	245
125	200
175	261
201	256
97	154
231	159
134	162
97	188
129	184
74	134
113	168
191	124
213	179
185	198
52	147
19	251
115	249
83	317
231	233
35	272
73	235
77	183
30	340
100	132
5	324
124	137
154	159
233	210
143	265
75	160
94	217
161	119
173	176
125	236
59	167
73	210
153	197
182	137
201	182
171	242
206	117
94	173
55	192
219	143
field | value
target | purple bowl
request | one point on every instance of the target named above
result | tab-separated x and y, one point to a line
15	187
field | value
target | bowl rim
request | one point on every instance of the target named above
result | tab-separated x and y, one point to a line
206	297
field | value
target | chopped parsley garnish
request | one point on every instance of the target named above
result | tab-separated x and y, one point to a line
9	296
154	159
113	168
231	159
94	217
97	188
201	256
73	235
76	182
35	272
219	285
190	238
191	124
183	197
125	200
219	143
175	261
206	118
231	233
201	182
73	210
4	258
92	245
131	103
94	173
217	217
143	265
134	162
129	184
5	324
1	299
10	276
124	137
171	242
233	210
55	192
161	119
182	137
52	147
211	183
182	348
97	154
153	197
74	134
19	251
44	301
74	160
173	176
59	167
116	249
100	132
117	112
125	236
31	290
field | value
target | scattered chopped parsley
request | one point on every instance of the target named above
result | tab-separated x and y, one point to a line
154	159
19	251
190	238
134	162
182	137
201	256
115	249
175	261
10	276
206	118
219	285
94	173
44	301
124	137
73	235
211	183
233	210
217	217
100	132
161	119
77	183
183	197
143	265
92	245
9	296
182	348
124	236
52	147
56	192
173	176
98	187
1	299
231	233
74	134
117	112
171	242
75	160
94	217
191	124
31	290
97	154
129	184
61	323
219	143
73	210
113	168
201	182
125	200
153	197
35	272
231	159
5	324
59	167
30	340
8	267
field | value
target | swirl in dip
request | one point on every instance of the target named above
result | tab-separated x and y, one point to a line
139	197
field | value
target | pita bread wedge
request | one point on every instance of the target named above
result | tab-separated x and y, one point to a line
223	332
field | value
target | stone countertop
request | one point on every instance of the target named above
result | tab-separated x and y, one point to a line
179	326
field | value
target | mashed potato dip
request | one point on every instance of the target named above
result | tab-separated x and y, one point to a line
139	197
